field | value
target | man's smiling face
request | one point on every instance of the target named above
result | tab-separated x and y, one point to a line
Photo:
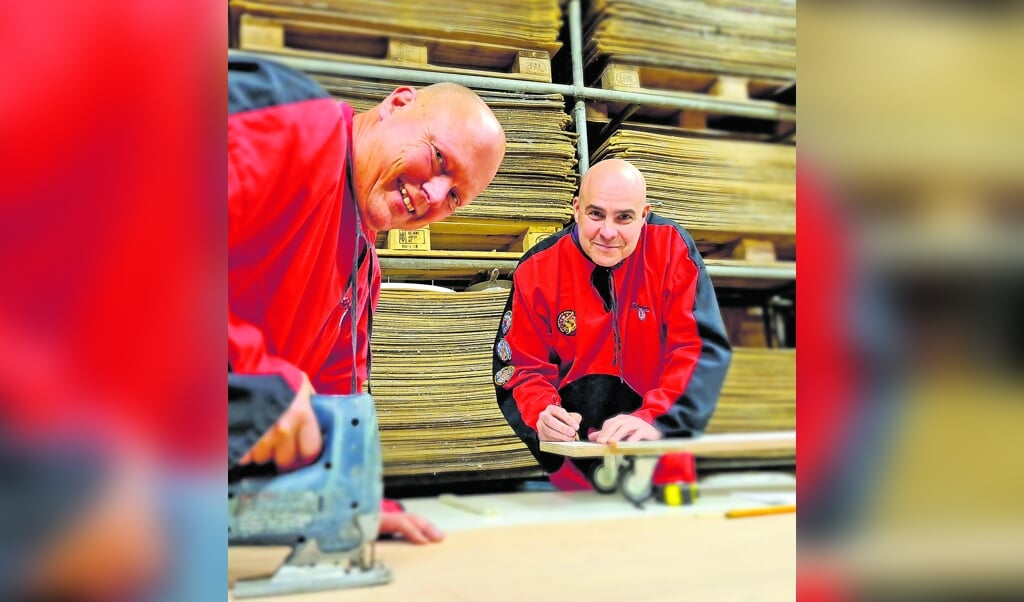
610	211
427	155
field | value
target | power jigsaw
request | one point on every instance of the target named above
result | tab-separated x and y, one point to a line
328	511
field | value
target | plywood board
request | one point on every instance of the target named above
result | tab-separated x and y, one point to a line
650	558
732	443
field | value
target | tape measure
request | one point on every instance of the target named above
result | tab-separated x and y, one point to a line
677	494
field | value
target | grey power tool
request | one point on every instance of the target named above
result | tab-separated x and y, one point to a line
329	511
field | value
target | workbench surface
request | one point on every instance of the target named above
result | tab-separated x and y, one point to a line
577	546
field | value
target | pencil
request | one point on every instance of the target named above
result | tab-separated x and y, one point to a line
762	511
474	507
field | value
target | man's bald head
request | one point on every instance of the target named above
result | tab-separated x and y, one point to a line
445	93
614	178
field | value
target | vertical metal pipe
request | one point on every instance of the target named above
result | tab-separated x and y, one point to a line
580	110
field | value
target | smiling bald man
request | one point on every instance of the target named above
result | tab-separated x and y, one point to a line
310	183
612	331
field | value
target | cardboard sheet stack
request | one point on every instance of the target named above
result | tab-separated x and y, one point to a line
529	23
536	180
432	382
713	187
755	38
759	395
759	392
433	387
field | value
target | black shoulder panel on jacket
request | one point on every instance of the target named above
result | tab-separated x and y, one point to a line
257	83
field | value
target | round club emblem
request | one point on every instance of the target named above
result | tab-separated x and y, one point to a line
504	351
506	322
567	322
504	375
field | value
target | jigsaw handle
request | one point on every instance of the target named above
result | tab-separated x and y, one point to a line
335	500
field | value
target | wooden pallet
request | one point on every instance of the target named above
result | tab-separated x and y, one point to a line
334	41
760	247
469	235
736	89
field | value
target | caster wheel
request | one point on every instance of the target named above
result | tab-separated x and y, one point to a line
634	488
603	478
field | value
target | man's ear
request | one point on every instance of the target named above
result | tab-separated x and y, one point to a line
576	203
402	96
647	209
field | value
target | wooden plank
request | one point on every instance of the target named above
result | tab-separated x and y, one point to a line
731	443
724	560
401	51
730	86
755	250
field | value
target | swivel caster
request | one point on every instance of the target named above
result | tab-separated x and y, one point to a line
604	476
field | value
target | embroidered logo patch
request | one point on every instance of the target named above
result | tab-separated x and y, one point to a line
504	351
506	322
567	322
504	375
641	310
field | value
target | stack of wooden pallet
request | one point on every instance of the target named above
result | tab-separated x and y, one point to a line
719	190
737	55
503	38
536	180
740	37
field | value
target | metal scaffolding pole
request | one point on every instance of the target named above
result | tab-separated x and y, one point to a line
766	273
781	273
580	110
679	100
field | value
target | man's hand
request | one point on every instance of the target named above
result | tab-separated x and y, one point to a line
625	427
294	440
555	424
415	529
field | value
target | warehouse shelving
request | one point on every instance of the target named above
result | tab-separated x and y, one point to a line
465	266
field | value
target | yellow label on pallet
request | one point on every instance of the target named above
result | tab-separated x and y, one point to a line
409	240
533	238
